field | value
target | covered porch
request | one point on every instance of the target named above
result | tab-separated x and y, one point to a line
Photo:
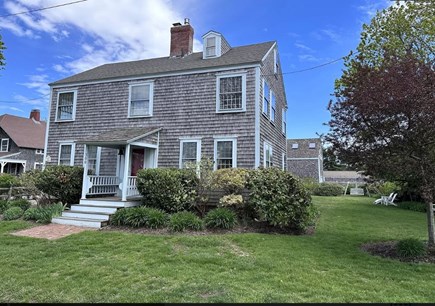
136	148
12	166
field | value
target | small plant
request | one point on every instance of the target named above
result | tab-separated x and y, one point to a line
328	189
13	213
181	221
4	205
220	218
7	180
140	217
157	218
21	203
30	214
120	217
410	247
44	214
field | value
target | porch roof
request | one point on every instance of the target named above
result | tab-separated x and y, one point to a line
119	136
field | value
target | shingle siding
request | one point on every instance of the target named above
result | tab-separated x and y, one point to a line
183	106
304	168
303	160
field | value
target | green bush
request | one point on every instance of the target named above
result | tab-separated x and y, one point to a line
220	218
13	213
231	180
8	180
328	189
62	182
279	198
4	204
140	217
171	190
120	217
21	203
309	184
44	214
231	200
183	220
411	205
386	188
410	247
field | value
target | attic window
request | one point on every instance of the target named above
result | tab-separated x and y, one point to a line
312	145
4	145
66	105
295	146
210	49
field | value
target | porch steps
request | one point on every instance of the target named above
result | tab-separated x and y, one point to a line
92	212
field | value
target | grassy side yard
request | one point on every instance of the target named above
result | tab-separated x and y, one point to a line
107	266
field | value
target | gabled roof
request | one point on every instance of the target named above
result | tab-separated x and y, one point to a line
25	132
235	56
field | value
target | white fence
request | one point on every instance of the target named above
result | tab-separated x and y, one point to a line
102	185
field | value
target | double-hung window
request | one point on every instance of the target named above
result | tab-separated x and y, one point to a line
210	49
4	146
231	93
266	98
273	107
37	166
141	100
190	152
268	155
39	151
94	153
225	153
66	154
66	105
284	121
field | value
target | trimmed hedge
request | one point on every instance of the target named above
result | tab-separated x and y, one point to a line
328	189
171	190
279	198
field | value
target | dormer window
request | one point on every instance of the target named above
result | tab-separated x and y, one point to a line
295	145
312	145
210	48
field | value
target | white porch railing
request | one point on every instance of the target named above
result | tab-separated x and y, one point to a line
131	186
102	184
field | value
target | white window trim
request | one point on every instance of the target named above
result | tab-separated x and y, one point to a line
311	145
283	161
262	101
39	151
267	144
1	145
295	146
229	75
98	159
37	163
73	149
219	139
151	103
270	103
74	105
198	149
218	40
284	121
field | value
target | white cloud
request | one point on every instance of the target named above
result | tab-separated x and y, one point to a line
308	58
303	47
120	30
370	7
37	83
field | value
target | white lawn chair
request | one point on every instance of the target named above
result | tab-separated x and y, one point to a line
384	200
390	200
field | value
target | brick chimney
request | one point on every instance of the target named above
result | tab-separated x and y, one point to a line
181	39
35	114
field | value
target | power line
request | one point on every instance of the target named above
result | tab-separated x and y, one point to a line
42	9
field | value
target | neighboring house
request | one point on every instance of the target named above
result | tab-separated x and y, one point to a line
21	143
344	177
227	103
305	158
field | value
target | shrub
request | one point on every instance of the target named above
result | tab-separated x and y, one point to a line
13	213
4	204
410	247
171	190
231	180
120	217
328	189
140	217
414	206
181	221
7	180
231	200
280	199
21	203
62	182
309	184
204	184
386	188
44	214
220	218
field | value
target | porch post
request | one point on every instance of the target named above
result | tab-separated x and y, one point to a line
85	172
3	164
126	172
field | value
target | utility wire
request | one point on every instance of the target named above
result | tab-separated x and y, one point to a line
42	9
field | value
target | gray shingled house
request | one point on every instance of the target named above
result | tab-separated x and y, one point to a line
21	143
305	158
227	103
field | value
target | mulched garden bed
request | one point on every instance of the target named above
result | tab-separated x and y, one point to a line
387	249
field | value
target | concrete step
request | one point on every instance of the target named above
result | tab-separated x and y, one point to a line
87	215
93	208
109	203
79	222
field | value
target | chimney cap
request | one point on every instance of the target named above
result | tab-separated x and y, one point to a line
177	24
186	21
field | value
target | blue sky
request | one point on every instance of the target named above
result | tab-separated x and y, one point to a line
49	45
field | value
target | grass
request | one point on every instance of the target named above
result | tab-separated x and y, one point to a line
107	266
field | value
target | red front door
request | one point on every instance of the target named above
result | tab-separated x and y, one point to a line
137	158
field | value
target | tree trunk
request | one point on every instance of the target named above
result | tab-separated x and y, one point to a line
430	224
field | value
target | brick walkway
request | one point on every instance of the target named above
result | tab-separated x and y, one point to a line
52	231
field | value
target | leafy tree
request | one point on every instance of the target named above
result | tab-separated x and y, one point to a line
331	161
383	121
2	57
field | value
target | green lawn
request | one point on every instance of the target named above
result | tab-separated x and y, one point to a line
107	266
